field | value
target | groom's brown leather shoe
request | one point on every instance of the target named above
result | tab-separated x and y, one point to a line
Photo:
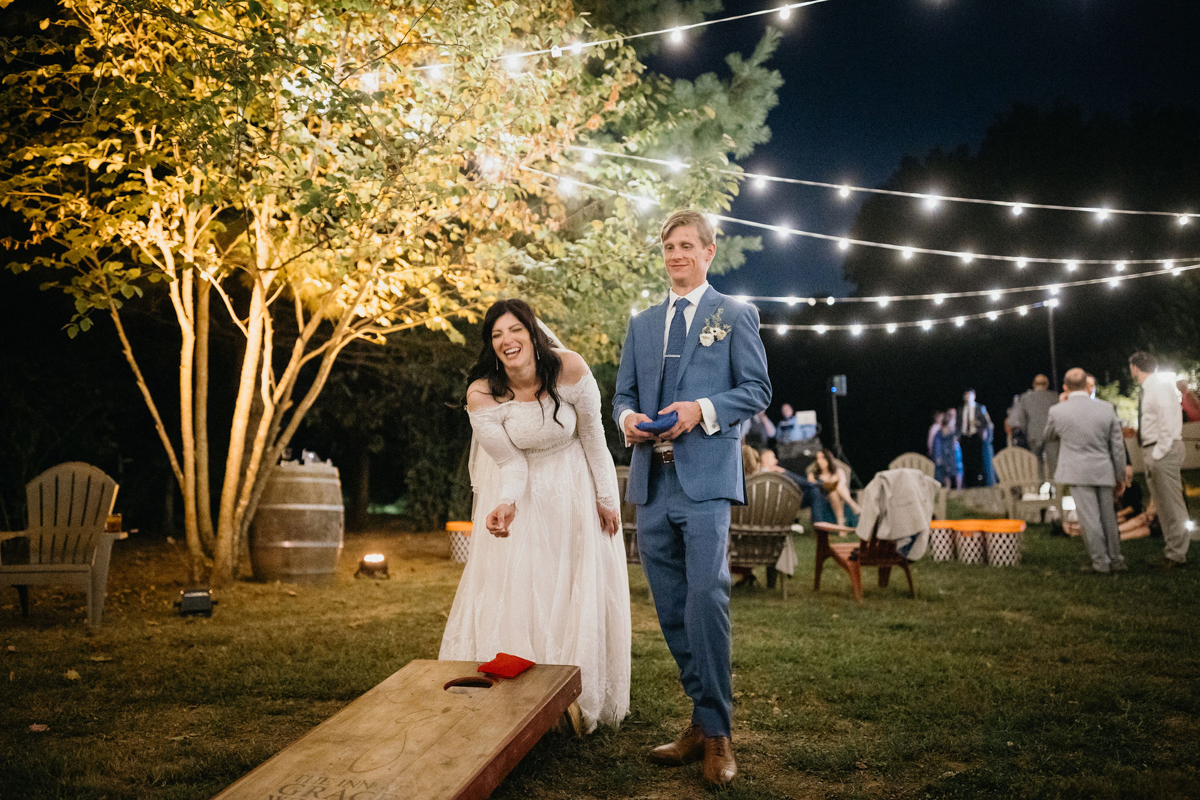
687	749
719	766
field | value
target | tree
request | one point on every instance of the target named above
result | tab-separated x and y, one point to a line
332	172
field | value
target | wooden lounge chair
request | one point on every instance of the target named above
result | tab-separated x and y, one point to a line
68	508
920	462
855	554
1019	482
759	530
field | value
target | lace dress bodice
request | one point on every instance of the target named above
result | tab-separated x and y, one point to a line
514	433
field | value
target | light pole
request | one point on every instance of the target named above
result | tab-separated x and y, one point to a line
1053	355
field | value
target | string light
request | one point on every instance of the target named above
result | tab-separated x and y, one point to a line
785	12
967	258
1022	263
1022	310
645	292
844	190
993	316
1119	266
781	329
960	321
760	184
932	202
907	253
674	34
856	330
1072	266
891	327
843	244
859	328
937	298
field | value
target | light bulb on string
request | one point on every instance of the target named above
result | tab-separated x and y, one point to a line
1053	291
856	330
633	312
883	301
843	244
435	73
907	254
820	329
781	230
966	258
577	48
1168	264
959	322
1018	210
1183	219
781	329
742	298
938	299
891	327
1072	266
844	192
1119	266
567	186
1114	282
644	203
760	183
995	296
812	301
829	301
1052	302
1101	214
785	12
1022	263
589	156
931	202
645	292
791	301
676	35
926	324
512	63
993	316
1022	310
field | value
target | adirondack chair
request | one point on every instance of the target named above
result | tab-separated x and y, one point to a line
918	461
68	509
759	530
855	554
628	518
1019	483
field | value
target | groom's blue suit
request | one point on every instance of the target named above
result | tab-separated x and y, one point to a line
683	507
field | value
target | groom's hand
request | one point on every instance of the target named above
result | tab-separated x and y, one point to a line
632	434
689	417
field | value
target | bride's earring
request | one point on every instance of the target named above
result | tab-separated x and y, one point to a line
497	363
536	357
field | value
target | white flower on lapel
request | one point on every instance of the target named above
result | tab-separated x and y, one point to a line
714	330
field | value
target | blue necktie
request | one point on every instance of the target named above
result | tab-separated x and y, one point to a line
675	340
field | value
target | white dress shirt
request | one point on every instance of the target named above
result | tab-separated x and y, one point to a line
708	414
1162	414
969	428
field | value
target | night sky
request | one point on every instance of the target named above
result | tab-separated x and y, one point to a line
869	81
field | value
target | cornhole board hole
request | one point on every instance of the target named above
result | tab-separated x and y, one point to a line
435	730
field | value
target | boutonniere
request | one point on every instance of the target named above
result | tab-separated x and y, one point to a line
714	330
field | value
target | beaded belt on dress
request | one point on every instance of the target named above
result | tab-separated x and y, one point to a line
551	450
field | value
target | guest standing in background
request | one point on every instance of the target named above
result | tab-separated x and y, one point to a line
947	454
1032	414
1160	433
761	431
939	418
1191	403
975	435
1092	463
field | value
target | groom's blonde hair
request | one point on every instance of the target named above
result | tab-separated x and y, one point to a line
687	216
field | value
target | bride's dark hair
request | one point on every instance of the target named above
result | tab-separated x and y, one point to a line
547	363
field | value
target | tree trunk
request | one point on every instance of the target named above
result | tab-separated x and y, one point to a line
360	500
203	494
187	351
225	555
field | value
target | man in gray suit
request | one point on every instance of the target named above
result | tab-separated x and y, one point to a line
1092	462
1032	413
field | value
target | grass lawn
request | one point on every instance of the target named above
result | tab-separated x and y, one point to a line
1035	681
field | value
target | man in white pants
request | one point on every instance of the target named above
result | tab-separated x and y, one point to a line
1160	433
1092	462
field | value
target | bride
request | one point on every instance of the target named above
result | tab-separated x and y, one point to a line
546	578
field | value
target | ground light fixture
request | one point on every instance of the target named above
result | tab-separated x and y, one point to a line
373	565
195	602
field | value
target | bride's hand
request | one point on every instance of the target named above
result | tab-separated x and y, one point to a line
501	517
610	521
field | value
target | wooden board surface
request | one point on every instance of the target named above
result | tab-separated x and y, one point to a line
410	738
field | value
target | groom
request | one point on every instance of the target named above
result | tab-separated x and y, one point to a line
698	354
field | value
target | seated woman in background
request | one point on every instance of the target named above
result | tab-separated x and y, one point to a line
835	485
813	494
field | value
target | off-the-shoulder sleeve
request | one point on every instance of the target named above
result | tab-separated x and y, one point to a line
489	431
585	397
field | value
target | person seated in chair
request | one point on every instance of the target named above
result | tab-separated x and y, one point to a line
813	495
835	484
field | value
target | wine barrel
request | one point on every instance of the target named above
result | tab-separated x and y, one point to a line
296	534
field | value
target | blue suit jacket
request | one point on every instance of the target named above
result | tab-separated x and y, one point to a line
732	373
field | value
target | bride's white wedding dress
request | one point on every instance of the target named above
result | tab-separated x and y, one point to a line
556	590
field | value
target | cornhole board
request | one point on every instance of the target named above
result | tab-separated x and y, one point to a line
435	730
